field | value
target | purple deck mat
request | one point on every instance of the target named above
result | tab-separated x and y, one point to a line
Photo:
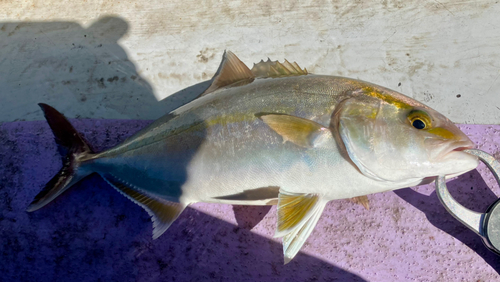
92	233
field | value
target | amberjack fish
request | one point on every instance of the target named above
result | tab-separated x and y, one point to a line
273	134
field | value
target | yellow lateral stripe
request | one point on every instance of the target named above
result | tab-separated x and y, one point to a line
370	91
233	118
445	133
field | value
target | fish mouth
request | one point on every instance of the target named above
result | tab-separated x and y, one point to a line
460	146
464	147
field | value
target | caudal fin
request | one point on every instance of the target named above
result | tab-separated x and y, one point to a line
73	148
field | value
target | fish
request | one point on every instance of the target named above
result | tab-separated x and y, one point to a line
271	135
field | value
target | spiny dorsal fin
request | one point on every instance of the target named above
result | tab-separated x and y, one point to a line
162	212
361	200
231	71
302	132
277	69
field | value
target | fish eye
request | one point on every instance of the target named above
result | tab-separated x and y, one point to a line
419	119
418	124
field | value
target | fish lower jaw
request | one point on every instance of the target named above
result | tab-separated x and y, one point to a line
453	175
450	176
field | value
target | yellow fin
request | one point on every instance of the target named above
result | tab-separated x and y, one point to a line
293	241
277	69
361	200
297	217
302	132
162	212
231	71
293	211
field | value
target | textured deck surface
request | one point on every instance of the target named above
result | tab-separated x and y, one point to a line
91	233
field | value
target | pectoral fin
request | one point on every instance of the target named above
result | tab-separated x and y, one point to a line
361	200
162	212
297	216
302	132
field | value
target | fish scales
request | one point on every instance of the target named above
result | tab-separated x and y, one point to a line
271	135
237	147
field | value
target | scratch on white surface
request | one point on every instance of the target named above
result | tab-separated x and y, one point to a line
387	39
444	7
494	81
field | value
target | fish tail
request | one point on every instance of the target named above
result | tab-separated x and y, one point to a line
73	148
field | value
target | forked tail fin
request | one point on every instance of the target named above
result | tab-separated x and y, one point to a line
73	149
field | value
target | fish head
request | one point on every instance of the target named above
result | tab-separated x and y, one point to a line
391	137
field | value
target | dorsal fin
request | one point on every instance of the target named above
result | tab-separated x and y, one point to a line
277	69
231	71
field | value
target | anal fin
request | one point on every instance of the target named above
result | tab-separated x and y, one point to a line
162	212
297	217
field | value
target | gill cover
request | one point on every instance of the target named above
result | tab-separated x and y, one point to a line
360	126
